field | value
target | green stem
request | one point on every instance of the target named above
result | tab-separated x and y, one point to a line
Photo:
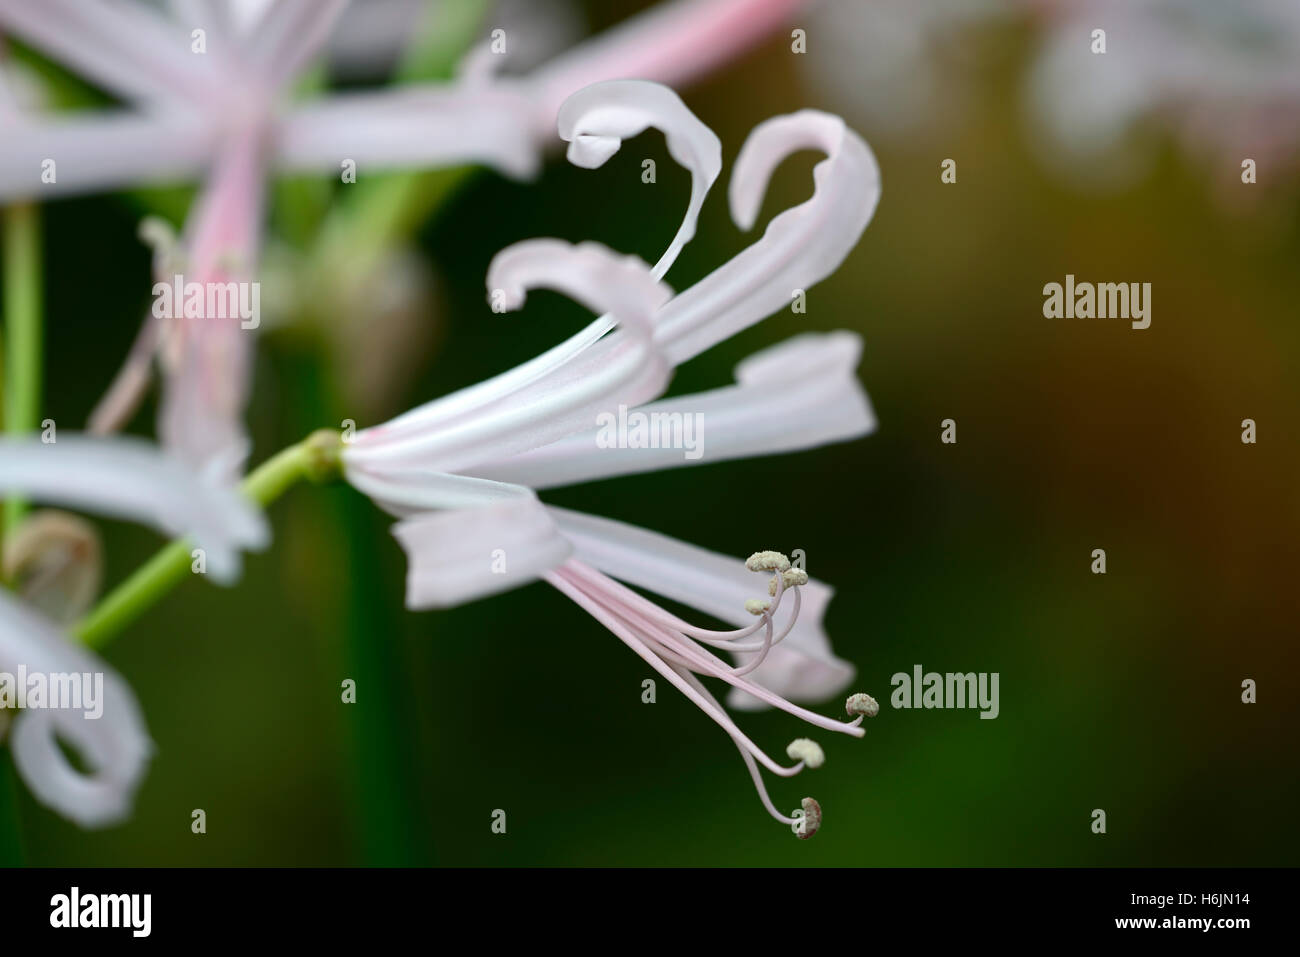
20	375
22	312
315	459
11	846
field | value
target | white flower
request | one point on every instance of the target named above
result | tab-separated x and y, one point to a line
125	479
130	479
223	114
115	747
460	472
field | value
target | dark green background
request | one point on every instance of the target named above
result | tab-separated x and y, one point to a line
1119	692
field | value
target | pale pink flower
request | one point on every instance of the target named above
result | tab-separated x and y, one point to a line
115	746
461	471
225	109
124	479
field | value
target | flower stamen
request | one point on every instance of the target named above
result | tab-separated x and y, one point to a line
675	650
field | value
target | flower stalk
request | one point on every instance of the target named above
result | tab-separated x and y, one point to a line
23	334
315	459
20	376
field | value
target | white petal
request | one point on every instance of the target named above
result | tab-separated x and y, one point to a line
415	491
624	108
589	273
99	152
595	121
796	395
487	537
129	48
800	247
289	34
618	368
801	668
247	14
130	479
211	15
413	127
115	746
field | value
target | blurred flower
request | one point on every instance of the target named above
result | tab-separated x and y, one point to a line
131	479
125	479
114	747
1221	77
461	471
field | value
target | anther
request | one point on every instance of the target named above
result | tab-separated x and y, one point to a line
811	820
767	562
862	704
792	577
757	606
807	751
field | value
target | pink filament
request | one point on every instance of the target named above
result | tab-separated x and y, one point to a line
664	642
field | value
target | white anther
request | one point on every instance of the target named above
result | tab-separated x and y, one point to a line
792	577
757	606
806	750
862	704
767	562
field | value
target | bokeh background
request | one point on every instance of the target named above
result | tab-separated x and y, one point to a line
1119	692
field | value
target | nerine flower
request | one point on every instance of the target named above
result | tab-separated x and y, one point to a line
461	471
216	107
1220	77
124	479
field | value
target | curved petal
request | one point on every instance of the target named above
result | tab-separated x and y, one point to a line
596	120
801	668
800	247
618	368
631	103
130	479
796	395
114	746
